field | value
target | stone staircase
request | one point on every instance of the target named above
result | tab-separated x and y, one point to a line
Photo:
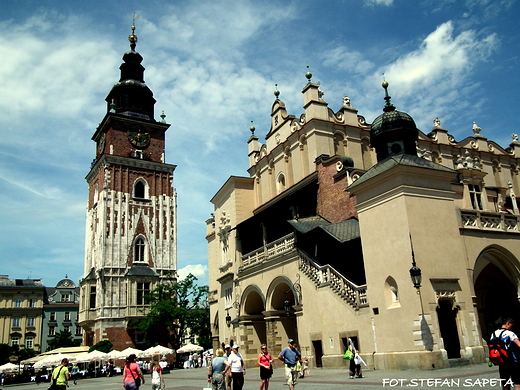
327	276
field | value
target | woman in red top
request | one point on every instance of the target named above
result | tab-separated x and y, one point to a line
132	375
266	369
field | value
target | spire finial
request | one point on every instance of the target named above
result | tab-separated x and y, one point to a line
276	91
308	74
252	128
132	37
112	107
163	116
388	106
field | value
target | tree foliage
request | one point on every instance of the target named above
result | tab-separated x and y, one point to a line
61	339
9	351
177	308
102	346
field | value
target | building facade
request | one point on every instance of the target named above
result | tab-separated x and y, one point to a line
21	312
131	214
318	243
60	312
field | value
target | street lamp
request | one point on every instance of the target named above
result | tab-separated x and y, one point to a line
415	274
287	306
228	319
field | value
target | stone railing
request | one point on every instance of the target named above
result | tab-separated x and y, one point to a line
325	275
275	248
485	220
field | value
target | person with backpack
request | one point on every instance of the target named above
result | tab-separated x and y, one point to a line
506	343
60	375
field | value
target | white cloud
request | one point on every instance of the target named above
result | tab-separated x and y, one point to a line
198	270
442	60
379	2
352	61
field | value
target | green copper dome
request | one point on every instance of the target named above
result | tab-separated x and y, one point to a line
393	132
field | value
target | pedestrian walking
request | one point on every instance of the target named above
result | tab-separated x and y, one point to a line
132	375
290	356
157	376
355	362
510	371
217	370
265	361
60	375
237	367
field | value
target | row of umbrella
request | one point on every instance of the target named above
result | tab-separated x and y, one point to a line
84	357
9	367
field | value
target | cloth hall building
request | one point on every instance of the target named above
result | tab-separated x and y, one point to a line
319	242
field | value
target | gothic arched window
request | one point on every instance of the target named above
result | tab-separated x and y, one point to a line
140	189
139	250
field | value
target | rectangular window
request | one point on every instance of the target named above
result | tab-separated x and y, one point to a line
78	331
15	340
67	316
65	297
29	342
66	328
52	330
92	297
32	302
142	290
17	302
475	194
228	297
16	322
30	321
52	316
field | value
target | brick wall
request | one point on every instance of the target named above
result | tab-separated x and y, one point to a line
334	203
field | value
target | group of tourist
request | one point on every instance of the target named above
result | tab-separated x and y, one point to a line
228	368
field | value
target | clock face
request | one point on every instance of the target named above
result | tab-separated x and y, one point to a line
101	144
138	137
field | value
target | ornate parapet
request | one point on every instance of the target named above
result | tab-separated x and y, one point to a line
485	220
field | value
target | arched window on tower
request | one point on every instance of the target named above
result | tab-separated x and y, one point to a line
139	250
280	183
140	189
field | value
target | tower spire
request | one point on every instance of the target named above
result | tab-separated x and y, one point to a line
132	37
131	96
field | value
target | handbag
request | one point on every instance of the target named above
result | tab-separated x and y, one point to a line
53	384
349	355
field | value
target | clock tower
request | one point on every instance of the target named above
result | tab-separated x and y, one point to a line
131	228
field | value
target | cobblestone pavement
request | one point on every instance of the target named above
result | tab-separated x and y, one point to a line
478	376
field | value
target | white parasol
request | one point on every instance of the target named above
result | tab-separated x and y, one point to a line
190	348
158	350
9	367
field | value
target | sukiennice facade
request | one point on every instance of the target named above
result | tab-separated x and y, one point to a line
318	242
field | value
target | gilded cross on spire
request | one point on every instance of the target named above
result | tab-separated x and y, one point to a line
132	37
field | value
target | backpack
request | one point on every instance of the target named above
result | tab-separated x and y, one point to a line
497	350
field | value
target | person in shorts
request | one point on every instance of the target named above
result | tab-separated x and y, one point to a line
290	356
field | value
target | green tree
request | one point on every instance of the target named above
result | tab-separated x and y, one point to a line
61	339
102	346
175	308
6	351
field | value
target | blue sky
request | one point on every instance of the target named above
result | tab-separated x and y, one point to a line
212	66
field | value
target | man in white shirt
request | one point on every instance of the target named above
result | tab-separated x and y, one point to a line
238	369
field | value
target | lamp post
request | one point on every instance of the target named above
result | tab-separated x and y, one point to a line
415	274
228	319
